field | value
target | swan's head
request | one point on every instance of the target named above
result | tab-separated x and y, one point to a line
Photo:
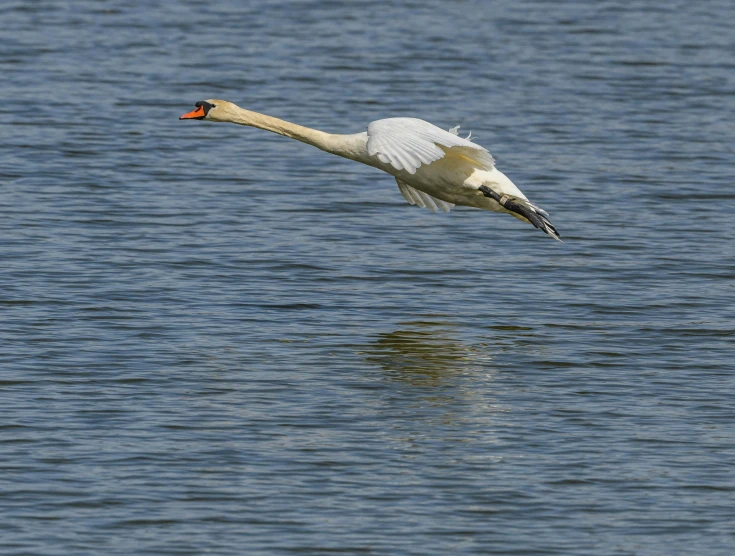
211	109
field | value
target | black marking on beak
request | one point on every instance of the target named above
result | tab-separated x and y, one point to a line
205	106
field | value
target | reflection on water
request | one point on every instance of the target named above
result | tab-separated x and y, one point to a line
425	353
450	380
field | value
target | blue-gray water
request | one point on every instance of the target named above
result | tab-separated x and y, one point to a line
215	340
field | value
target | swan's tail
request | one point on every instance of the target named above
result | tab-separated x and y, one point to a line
525	209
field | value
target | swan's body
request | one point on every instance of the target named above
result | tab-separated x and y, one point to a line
434	168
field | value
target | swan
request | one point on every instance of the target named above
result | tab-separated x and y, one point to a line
434	169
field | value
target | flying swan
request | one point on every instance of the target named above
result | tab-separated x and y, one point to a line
435	169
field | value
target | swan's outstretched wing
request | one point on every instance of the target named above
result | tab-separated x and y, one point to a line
424	200
407	143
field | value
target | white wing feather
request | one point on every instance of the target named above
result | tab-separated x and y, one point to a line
407	143
424	200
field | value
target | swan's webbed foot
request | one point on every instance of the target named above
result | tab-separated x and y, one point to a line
535	215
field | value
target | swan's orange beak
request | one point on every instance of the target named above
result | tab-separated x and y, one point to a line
197	113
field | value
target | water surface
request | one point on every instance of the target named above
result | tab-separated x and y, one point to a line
219	341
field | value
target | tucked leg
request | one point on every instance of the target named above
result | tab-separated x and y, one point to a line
521	206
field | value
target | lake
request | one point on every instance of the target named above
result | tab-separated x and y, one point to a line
216	340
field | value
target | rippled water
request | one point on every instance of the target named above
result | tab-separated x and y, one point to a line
216	340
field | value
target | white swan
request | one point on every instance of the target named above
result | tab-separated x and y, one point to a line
434	168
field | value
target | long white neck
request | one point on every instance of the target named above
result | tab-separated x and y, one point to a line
349	146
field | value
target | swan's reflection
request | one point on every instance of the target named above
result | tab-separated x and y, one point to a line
425	354
443	383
